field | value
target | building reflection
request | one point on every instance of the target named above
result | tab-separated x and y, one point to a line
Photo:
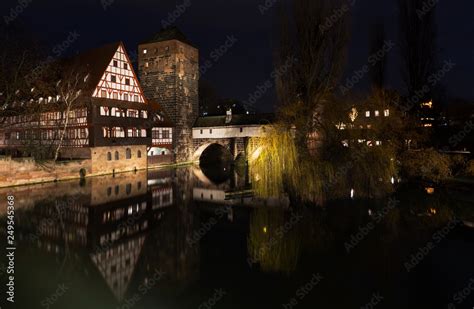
121	227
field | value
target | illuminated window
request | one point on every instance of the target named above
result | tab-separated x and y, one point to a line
377	113
367	114
386	113
166	134
146	65
145	51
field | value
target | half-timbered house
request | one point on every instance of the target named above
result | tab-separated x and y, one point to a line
95	109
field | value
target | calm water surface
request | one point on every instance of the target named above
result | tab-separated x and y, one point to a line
176	239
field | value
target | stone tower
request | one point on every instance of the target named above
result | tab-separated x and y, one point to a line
168	67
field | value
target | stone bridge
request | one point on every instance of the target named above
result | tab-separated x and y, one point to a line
233	132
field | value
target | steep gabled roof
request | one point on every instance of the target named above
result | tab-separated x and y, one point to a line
93	62
168	34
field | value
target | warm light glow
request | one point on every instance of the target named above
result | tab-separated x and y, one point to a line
352	193
427	104
265	229
429	190
353	114
433	211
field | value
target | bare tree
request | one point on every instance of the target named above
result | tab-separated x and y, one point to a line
310	60
418	47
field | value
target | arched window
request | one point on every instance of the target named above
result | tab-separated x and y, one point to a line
109	156
128	153
139	154
117	155
109	191
128	189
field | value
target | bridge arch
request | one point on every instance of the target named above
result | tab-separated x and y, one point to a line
212	148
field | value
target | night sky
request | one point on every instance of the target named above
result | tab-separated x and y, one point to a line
249	63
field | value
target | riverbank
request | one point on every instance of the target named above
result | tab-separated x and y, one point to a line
26	171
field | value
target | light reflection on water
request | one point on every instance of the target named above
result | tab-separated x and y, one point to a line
170	238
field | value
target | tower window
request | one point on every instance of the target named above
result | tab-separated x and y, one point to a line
386	113
145	51
146	64
377	113
367	114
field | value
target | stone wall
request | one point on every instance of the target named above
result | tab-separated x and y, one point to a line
107	160
14	172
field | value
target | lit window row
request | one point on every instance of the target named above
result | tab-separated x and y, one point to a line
386	113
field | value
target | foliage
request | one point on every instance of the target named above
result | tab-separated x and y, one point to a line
426	164
470	168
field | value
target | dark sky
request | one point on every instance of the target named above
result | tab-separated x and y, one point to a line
248	63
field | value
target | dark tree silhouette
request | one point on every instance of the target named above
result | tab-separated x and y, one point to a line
418	48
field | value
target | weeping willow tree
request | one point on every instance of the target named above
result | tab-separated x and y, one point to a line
276	167
274	240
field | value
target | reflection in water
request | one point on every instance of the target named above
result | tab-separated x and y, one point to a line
108	237
274	239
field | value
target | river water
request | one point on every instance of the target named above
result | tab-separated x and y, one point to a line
177	239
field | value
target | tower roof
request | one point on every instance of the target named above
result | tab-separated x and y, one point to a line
168	34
